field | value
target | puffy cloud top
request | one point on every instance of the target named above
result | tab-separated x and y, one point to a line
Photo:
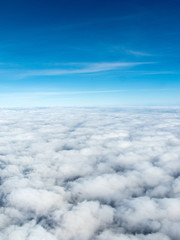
90	174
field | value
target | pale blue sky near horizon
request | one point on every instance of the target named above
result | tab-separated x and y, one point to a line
89	53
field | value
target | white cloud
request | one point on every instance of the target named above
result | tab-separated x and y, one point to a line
139	53
87	68
90	173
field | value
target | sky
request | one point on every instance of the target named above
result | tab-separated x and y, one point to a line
89	53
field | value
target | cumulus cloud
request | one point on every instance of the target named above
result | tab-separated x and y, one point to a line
90	174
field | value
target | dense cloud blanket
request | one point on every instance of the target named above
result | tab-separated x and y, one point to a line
90	174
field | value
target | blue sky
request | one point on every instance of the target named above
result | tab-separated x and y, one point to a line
89	53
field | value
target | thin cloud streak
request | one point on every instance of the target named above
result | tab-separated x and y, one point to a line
139	53
83	92
152	72
91	68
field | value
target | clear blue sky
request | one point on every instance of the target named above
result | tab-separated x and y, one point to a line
94	53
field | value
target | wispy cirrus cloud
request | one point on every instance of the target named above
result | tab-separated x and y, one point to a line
139	53
86	68
152	72
23	95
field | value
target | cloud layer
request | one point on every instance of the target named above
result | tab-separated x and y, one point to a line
90	174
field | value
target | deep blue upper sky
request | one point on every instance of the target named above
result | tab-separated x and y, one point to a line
55	53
